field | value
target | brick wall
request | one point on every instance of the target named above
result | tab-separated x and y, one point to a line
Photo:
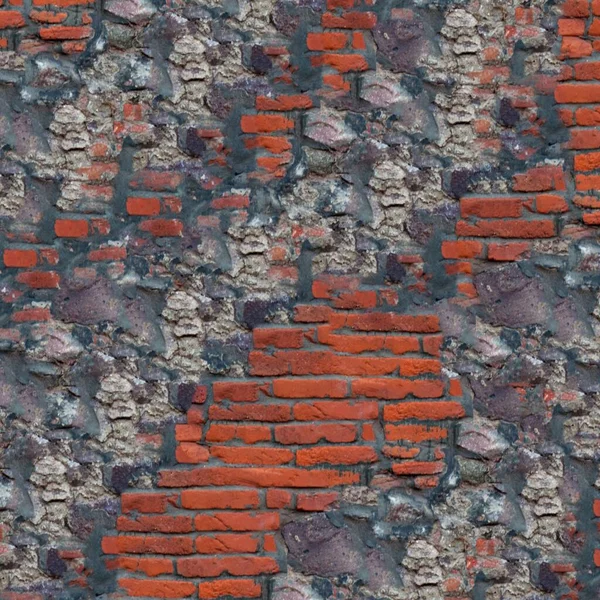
299	307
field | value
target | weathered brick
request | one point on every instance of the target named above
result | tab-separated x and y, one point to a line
227	543
340	455
236	588
236	566
257	476
514	228
265	123
423	411
251	456
312	434
237	521
20	258
157	588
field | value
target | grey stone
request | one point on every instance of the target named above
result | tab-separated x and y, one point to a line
481	440
510	298
317	547
138	12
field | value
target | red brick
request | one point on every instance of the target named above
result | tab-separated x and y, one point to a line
62	3
349	20
279	499
279	338
163	227
71	228
108	253
62	32
312	313
584	139
157	588
310	388
272	413
316	502
188	433
273	144
190	453
540	179
210	499
485	547
587	182
156	524
432	344
356	344
417	467
491	207
414	433
312	434
140	206
397	389
551	203
133	544
231	201
393	322
587	116
144	502
236	588
461	249
226	543
10	19
574	47
249	434
343	63
424	411
587	201
358	41
284	103
508	252
336	410
153	567
576	8
20	258
577	93
216	566
265	123
285	477
571	27
326	41
236	391
39	279
238	521
252	456
340	455
31	314
591	218
346	4
356	299
336	82
513	228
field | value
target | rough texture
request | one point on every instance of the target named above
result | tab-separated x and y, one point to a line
299	300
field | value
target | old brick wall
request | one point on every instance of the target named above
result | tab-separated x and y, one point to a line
299	299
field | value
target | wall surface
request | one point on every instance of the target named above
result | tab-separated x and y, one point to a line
300	299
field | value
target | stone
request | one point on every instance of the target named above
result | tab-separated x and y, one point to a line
317	547
328	129
138	12
511	298
481	440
